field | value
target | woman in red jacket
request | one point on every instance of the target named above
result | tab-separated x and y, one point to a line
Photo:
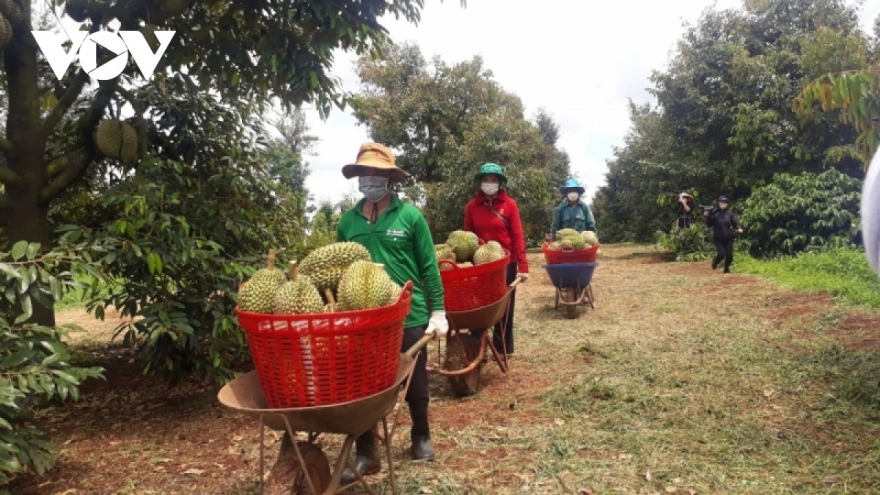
494	216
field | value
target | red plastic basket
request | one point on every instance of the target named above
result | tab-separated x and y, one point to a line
581	256
472	287
329	358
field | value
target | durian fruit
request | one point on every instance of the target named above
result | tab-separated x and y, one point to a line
298	296
465	244
590	238
575	242
566	232
555	246
392	293
326	265
566	245
465	264
258	294
364	285
491	251
5	31
446	253
117	139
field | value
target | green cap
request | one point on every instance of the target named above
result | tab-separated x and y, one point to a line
491	168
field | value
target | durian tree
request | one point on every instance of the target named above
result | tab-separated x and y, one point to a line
172	223
253	51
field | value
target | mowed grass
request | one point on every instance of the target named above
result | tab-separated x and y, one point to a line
709	394
682	380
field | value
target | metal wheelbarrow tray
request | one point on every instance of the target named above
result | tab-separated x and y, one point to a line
573	285
468	340
352	418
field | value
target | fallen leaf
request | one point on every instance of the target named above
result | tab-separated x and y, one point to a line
671	489
768	393
559	421
648	475
425	489
692	492
586	491
833	480
194	471
677	481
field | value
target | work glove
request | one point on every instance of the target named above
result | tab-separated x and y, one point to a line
523	276
870	223
437	325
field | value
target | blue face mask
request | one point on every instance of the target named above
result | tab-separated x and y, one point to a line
373	188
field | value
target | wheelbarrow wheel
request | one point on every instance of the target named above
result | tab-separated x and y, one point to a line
461	350
569	295
287	476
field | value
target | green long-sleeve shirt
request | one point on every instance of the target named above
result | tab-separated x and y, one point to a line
577	217
401	240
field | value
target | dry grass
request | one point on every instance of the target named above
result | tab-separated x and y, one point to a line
682	380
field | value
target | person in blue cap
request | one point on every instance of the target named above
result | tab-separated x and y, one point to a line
572	213
723	224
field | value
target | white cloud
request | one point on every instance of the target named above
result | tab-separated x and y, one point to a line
579	60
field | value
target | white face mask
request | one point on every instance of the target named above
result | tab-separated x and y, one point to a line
373	188
489	188
573	196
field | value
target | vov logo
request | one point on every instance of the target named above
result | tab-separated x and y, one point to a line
121	43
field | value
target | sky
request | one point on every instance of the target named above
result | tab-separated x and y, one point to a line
579	60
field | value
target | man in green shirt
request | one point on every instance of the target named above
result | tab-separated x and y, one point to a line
396	234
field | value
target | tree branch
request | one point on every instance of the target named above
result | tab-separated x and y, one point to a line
12	13
60	164
66	101
72	166
139	113
10	178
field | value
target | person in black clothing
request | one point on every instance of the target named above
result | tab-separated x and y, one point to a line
723	224
685	208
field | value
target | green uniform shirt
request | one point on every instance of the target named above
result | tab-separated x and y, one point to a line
577	217
401	240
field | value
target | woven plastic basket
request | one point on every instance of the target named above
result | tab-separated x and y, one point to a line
552	257
472	287
329	358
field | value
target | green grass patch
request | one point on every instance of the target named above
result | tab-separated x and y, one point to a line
845	274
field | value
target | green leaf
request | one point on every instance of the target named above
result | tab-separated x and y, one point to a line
8	270
32	250
16	359
19	249
27	307
313	76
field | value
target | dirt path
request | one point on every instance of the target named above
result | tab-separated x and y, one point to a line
682	380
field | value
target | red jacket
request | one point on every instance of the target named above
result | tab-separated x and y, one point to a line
488	227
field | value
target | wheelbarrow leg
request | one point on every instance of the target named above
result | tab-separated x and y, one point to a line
388	454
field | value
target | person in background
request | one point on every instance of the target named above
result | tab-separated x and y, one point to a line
723	224
396	235
685	210
494	216
572	213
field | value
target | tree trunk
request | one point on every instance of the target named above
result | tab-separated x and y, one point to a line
24	129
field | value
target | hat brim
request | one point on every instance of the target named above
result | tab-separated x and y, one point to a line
686	195
479	177
358	169
579	189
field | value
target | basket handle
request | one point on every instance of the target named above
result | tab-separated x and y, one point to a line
331	301
407	289
448	262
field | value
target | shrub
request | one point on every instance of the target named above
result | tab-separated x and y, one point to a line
691	244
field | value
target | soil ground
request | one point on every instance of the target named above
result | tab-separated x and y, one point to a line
681	380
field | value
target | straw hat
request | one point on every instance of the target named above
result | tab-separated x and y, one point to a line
376	156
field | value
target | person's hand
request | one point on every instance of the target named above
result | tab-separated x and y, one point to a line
523	277
438	326
739	231
705	213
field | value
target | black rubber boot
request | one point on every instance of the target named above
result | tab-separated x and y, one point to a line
422	448
366	459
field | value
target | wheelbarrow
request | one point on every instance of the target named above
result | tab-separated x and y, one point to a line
573	288
467	342
312	474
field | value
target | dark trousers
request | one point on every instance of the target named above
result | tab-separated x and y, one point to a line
724	248
684	222
507	321
417	394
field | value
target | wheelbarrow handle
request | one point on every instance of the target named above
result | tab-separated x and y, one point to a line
412	351
516	282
